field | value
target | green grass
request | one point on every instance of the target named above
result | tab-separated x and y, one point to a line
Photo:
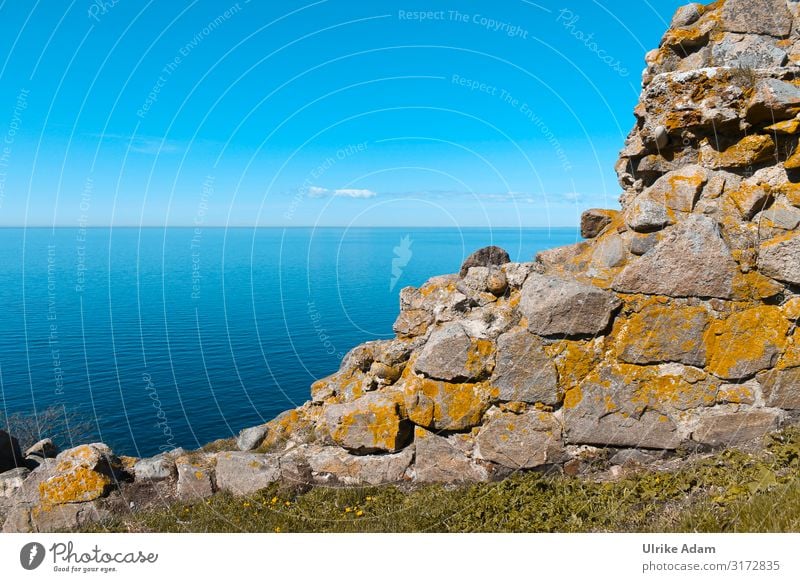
731	491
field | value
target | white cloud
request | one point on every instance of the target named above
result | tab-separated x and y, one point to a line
572	196
317	192
354	193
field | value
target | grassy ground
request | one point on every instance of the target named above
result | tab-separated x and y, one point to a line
733	491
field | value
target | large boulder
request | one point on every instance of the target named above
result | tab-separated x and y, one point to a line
524	372
521	441
333	465
451	355
562	307
374	423
438	405
691	261
734	428
243	473
447	459
779	258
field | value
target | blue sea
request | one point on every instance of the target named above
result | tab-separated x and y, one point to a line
164	337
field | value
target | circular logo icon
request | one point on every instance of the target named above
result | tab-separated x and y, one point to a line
31	555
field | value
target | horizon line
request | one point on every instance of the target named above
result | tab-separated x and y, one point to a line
239	226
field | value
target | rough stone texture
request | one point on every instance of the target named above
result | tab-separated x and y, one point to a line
332	465
524	372
251	438
593	221
662	333
735	427
691	261
451	355
243	473
195	478
779	258
763	17
442	406
647	215
521	441
561	307
485	257
747	342
10	455
781	388
11	481
156	468
447	459
374	423
748	52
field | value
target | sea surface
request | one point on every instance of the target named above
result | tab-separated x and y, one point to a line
155	338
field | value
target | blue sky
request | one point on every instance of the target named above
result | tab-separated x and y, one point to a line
326	112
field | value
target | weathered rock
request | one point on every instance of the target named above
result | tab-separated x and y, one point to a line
595	220
640	244
440	405
679	190
748	52
447	459
195	478
773	100
779	258
524	372
769	17
648	215
781	388
751	198
664	333
451	355
251	438
373	423
749	151
44	448
54	519
10	455
735	427
521	441
412	323
691	261
485	257
562	307
496	282
747	342
11	481
80	474
332	465
243	473
686	15
156	468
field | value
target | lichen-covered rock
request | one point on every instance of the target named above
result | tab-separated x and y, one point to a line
521	441
594	220
438	405
451	355
664	333
373	423
441	459
770	17
691	261
560	307
243	473
747	342
735	427
524	372
81	474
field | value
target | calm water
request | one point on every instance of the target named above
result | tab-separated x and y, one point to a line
169	337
